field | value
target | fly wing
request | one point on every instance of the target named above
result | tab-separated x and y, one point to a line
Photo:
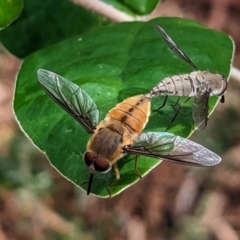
174	47
70	97
167	146
200	111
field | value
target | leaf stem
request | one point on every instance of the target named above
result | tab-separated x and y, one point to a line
105	10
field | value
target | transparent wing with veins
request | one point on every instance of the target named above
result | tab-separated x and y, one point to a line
174	47
200	111
167	146
70	97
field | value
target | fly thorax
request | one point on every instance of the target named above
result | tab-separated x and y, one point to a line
107	141
212	82
198	83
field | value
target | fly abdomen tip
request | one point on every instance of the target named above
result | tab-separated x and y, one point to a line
156	91
148	95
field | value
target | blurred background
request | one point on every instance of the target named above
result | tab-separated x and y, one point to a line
172	202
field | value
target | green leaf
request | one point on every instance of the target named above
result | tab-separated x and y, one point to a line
133	7
46	22
9	11
120	6
143	6
111	64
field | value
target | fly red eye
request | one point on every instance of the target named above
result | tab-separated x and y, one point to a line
101	165
96	163
89	158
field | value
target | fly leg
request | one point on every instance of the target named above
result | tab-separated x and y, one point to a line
174	117
117	174
135	167
164	103
174	105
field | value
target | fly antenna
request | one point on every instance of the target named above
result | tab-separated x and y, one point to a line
90	183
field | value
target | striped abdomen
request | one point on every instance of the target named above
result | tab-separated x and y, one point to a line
194	84
133	113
